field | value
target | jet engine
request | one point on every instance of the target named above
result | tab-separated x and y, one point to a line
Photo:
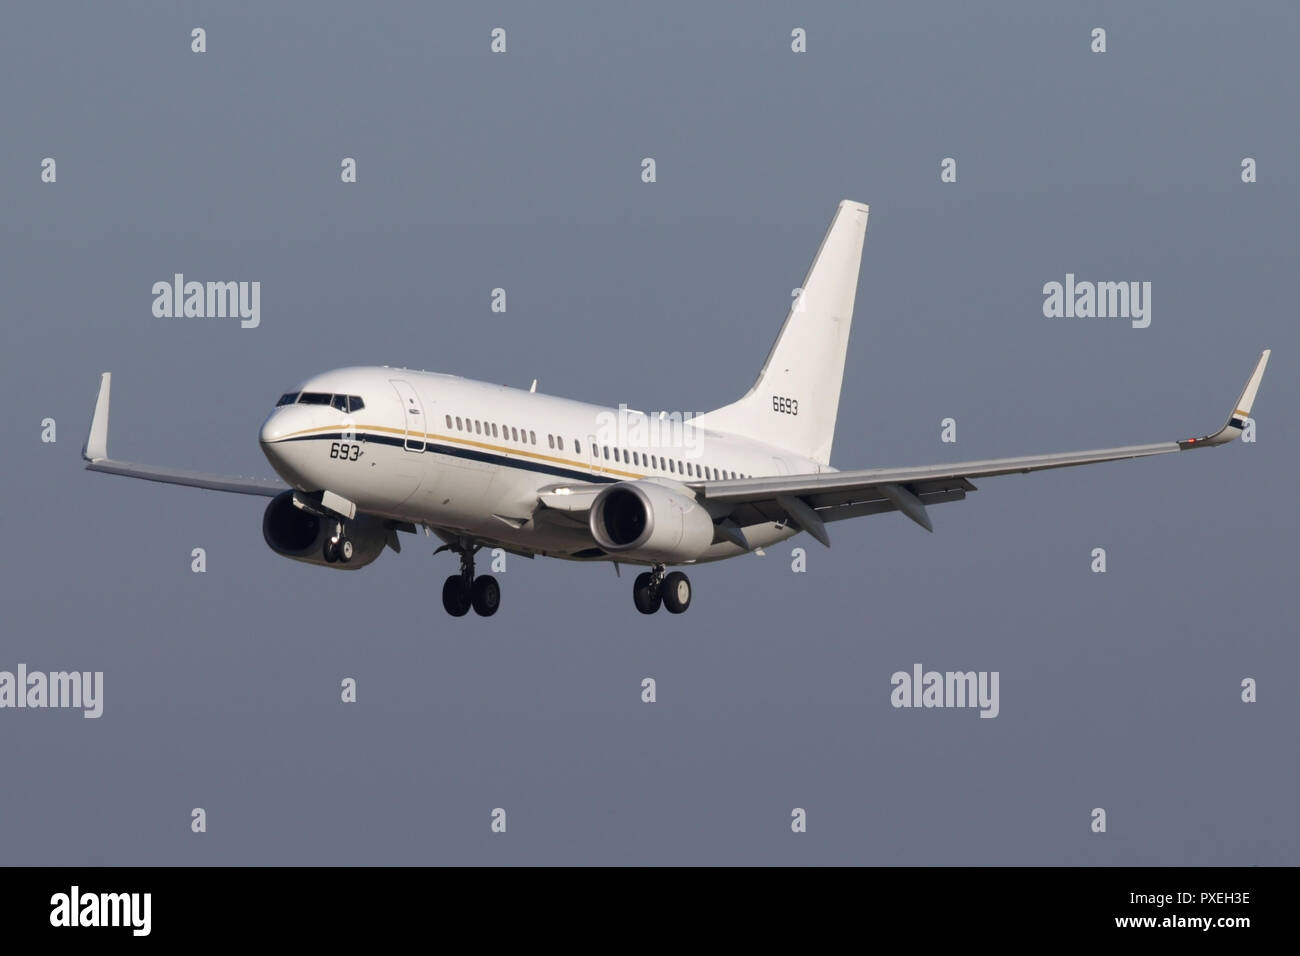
650	522
294	533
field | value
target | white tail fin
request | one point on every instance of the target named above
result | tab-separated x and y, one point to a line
794	403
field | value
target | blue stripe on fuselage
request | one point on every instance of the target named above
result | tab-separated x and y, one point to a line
455	451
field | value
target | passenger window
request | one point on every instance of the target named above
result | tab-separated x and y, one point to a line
670	466
606	450
478	426
494	429
287	399
559	442
636	458
550	441
532	438
577	447
448	421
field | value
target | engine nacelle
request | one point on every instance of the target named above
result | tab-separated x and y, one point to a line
649	522
298	534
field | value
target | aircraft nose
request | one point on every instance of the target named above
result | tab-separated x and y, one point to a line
283	423
277	441
272	429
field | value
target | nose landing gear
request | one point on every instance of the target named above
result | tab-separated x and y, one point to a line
462	591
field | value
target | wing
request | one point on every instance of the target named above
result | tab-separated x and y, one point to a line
809	501
95	452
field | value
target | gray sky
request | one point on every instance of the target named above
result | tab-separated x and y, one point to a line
1118	690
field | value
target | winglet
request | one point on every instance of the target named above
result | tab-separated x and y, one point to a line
96	446
1240	411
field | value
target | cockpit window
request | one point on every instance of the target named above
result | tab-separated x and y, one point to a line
344	403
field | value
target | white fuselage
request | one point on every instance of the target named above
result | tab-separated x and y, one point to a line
468	459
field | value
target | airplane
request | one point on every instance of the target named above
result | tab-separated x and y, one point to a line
365	453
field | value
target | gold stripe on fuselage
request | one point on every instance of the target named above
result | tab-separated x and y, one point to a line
453	439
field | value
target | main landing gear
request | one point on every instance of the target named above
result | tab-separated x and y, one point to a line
338	548
653	588
462	591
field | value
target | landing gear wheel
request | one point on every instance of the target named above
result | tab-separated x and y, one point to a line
344	549
331	552
676	592
485	595
645	595
455	596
